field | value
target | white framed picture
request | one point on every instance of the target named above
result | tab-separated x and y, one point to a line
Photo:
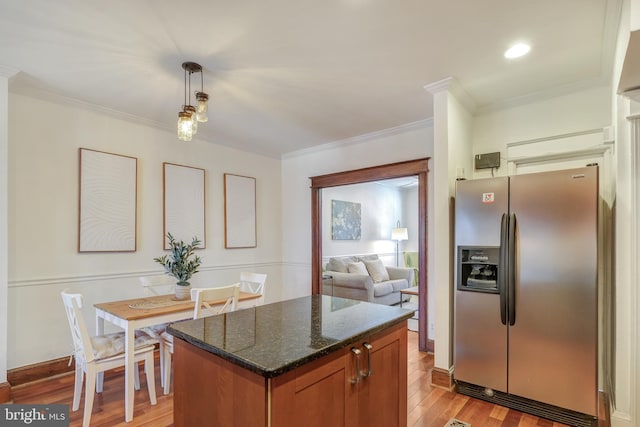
184	203
107	202
239	211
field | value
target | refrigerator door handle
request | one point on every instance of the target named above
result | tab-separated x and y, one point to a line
502	271
511	270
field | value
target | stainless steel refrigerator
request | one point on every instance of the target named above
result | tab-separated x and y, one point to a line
526	315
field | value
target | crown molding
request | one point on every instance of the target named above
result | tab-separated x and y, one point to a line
450	84
8	72
57	98
439	86
420	124
455	88
543	95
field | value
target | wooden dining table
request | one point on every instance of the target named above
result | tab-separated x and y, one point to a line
139	313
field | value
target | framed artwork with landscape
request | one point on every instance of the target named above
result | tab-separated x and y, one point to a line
346	220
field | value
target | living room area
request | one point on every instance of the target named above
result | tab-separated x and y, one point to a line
370	242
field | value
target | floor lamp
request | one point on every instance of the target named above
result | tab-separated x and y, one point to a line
398	234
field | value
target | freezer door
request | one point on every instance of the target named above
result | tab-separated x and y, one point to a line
480	204
553	343
480	338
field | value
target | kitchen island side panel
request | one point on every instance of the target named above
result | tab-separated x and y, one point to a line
208	390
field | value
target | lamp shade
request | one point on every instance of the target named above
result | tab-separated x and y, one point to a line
185	127
192	116
202	108
399	233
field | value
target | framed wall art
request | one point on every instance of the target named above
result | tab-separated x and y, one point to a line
184	203
346	220
239	211
107	202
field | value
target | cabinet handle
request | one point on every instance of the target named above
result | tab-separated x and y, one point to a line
368	347
356	353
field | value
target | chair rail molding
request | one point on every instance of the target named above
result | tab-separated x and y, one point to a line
83	279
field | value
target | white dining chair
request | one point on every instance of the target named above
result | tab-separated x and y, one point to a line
227	300
154	286
94	355
157	285
253	283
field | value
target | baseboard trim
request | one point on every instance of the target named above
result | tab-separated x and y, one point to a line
38	371
5	392
442	378
43	370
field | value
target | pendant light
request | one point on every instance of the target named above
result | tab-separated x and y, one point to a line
185	126
189	117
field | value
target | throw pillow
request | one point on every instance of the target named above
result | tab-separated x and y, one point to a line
357	268
377	270
337	264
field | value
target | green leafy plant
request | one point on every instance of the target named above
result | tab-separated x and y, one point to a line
182	263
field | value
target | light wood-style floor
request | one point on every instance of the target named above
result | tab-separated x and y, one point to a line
427	406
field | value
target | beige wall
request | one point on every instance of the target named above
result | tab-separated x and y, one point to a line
43	218
394	145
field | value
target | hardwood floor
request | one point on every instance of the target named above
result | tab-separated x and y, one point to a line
427	406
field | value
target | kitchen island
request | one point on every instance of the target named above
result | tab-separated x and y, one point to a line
310	361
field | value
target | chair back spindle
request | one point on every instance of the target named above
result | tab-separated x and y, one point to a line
82	348
202	296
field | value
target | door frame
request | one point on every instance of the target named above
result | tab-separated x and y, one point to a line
419	168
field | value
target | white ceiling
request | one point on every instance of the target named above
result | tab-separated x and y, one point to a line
285	75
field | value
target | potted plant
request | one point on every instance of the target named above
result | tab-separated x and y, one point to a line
181	264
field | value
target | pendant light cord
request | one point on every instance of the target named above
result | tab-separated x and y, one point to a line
185	87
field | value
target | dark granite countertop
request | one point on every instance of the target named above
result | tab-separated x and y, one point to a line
275	338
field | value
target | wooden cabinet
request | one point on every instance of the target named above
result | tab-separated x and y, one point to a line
327	391
316	395
382	396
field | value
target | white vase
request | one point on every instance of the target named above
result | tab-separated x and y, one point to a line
183	290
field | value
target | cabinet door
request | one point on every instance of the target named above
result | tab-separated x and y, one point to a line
316	395
328	392
382	394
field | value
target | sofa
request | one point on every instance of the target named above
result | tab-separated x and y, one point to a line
366	279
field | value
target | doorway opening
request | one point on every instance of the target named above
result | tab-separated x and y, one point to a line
418	168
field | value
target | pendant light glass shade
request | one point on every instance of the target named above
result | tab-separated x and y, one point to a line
192	116
202	108
185	126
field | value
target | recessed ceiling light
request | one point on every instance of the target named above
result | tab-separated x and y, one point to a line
517	50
